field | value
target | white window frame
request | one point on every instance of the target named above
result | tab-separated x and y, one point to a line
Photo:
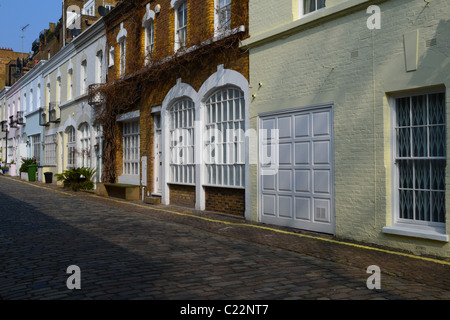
301	8
111	56
405	226
31	108
86	146
24	103
99	67
182	142
181	7
89	8
49	92
222	7
71	147
70	84
58	90
149	39
122	56
225	138
148	23
131	148
83	77
122	41
50	146
36	147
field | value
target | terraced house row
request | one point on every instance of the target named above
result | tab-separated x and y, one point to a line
321	115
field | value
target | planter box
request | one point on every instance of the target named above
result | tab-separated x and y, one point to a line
24	176
118	190
12	170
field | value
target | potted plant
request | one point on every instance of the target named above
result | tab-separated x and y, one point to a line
77	179
5	169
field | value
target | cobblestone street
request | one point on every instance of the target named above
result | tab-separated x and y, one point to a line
130	250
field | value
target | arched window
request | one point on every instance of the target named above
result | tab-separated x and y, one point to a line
85	140
181	126
225	136
71	147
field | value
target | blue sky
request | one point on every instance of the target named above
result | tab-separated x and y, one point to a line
15	14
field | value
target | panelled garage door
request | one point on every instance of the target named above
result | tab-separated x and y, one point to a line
296	171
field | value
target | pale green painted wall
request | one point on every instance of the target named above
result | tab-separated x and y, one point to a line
315	65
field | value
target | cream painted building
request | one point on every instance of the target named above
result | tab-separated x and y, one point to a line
70	138
352	95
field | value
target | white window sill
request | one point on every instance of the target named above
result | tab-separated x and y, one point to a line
417	232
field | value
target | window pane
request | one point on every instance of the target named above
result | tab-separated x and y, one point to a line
437	141
403	112
419	110
309	6
436	108
420	144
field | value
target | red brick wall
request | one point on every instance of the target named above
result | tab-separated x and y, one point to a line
200	28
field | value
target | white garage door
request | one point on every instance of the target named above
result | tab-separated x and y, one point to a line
298	191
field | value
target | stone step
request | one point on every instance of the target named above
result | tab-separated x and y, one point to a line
152	200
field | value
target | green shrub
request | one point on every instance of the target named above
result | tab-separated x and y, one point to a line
77	179
25	163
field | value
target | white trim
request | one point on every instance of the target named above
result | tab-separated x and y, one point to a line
417	232
111	54
122	33
128	116
175	3
149	15
156	109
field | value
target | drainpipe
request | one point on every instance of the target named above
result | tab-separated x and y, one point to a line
6	158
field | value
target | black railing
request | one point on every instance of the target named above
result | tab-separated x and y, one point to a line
43	118
52	113
4	125
20	117
96	98
12	122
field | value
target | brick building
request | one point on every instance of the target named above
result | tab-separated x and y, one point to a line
8	65
178	96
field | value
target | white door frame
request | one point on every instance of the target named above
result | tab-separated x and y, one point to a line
157	157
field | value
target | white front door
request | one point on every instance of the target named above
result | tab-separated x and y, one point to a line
157	168
299	193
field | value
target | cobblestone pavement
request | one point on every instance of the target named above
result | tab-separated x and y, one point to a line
130	250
